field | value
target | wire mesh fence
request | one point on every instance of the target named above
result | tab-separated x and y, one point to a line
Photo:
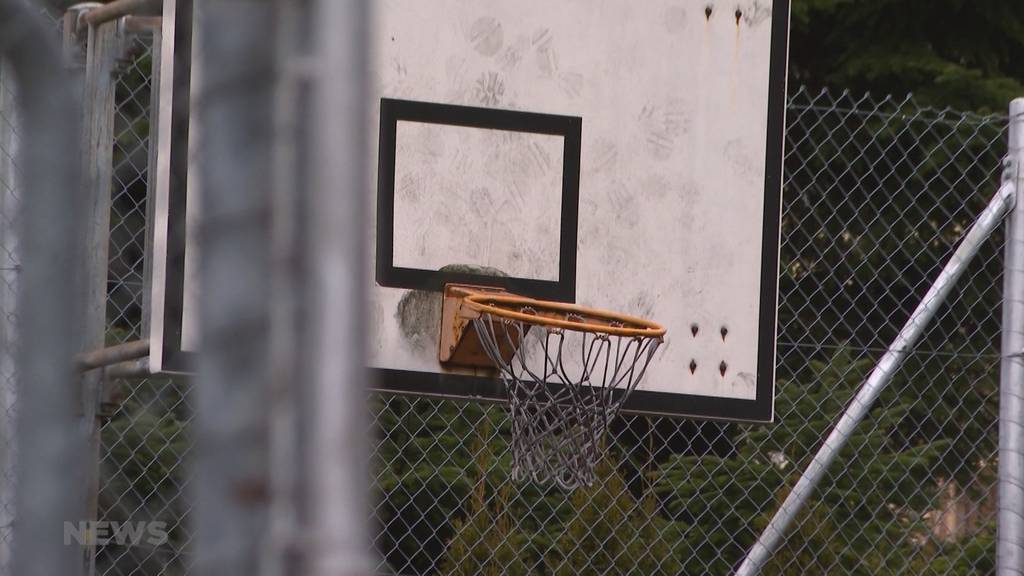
877	194
144	442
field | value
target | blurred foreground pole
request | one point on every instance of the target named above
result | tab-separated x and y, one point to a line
1010	532
232	83
320	472
775	532
50	441
334	411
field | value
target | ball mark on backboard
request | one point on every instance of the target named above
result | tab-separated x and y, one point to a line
419	318
740	159
758	12
481	202
431	146
541	159
623	204
409	188
512	55
487	36
747	379
455	70
641	305
400	70
547	60
489	89
604	156
662	125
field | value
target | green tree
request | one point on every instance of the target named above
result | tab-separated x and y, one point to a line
968	55
486	543
424	474
868	506
610	532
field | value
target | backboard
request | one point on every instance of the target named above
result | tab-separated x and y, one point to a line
617	154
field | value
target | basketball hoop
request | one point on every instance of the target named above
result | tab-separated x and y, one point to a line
568	370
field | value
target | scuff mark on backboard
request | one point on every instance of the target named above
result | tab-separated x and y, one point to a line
419	311
487	36
757	12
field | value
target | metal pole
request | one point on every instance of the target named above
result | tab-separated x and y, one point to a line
334	409
1010	531
50	443
233	82
774	533
9	268
98	174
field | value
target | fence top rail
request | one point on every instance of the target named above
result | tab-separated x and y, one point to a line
888	107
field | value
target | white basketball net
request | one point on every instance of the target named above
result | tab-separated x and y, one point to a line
564	388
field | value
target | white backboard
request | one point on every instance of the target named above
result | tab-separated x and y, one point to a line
618	154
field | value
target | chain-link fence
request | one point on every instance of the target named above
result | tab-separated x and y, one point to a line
877	194
144	452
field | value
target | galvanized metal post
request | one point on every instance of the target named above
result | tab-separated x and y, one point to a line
9	267
335	410
97	172
320	471
772	536
1010	530
232	82
50	443
289	279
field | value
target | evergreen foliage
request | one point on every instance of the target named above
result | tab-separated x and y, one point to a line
611	533
968	55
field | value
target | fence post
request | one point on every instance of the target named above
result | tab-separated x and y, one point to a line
320	479
98	138
1010	532
50	444
233	79
336	408
9	266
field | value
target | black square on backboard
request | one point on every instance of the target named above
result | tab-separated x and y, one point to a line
568	127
